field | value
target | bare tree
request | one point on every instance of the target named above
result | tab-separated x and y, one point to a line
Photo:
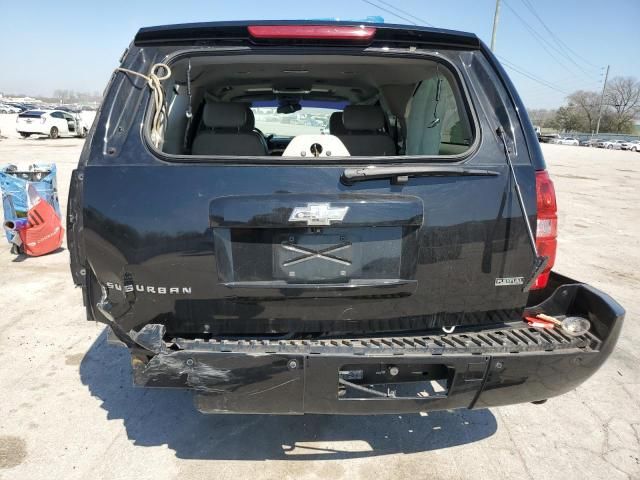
621	107
540	116
623	96
588	105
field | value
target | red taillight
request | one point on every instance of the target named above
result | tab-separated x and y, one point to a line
547	226
319	32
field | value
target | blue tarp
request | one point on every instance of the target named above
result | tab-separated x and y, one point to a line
14	185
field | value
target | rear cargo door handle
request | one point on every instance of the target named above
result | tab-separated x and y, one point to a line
353	288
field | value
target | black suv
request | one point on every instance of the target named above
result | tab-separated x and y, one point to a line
327	217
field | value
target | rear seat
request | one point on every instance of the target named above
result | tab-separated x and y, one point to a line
229	131
364	133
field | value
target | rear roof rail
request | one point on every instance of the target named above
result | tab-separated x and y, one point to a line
237	32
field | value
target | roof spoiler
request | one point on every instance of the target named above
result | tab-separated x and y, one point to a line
201	34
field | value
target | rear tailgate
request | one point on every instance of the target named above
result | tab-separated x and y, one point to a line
250	249
210	249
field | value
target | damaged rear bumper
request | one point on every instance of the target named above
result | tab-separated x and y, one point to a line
470	369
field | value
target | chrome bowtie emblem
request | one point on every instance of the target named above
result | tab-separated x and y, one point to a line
318	214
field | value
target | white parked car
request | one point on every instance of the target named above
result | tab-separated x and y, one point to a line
53	123
611	144
4	108
568	141
634	146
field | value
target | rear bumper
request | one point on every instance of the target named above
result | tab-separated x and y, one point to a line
471	369
31	128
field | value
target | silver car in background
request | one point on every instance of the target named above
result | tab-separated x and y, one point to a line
633	145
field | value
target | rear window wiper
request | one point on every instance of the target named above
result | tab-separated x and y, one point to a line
401	174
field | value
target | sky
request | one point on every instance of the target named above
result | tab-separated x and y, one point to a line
47	45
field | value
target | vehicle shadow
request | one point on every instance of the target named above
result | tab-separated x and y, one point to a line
155	417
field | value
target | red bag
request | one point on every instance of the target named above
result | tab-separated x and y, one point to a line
44	232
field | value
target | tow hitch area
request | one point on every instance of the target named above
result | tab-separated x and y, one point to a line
362	381
511	363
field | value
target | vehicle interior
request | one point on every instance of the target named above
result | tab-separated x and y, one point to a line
314	105
71	121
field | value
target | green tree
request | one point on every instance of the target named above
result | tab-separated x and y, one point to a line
567	119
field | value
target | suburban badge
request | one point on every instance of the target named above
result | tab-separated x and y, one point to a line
506	281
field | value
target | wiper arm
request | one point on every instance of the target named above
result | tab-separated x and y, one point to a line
401	174
539	263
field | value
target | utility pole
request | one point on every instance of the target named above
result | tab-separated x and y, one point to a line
496	16
604	86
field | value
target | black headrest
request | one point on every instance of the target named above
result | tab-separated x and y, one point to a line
227	115
251	120
336	127
363	117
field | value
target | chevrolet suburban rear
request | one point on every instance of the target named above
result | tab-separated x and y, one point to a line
327	217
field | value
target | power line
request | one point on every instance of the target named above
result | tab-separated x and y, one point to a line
537	36
549	86
592	87
572	82
544	41
389	11
409	14
531	76
544	92
534	102
508	62
558	40
545	85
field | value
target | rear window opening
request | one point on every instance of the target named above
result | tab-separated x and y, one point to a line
315	106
